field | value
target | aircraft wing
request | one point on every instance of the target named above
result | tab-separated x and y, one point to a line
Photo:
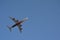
19	27
15	20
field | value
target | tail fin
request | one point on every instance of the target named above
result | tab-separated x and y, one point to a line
9	28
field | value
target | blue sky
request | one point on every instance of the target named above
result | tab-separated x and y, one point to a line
43	23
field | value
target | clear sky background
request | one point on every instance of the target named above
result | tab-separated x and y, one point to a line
43	23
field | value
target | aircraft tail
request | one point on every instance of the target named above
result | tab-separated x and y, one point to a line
9	28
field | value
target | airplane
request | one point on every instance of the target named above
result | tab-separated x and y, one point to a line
17	23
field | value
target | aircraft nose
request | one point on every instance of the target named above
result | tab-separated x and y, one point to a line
26	18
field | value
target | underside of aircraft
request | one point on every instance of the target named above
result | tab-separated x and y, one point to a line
17	23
